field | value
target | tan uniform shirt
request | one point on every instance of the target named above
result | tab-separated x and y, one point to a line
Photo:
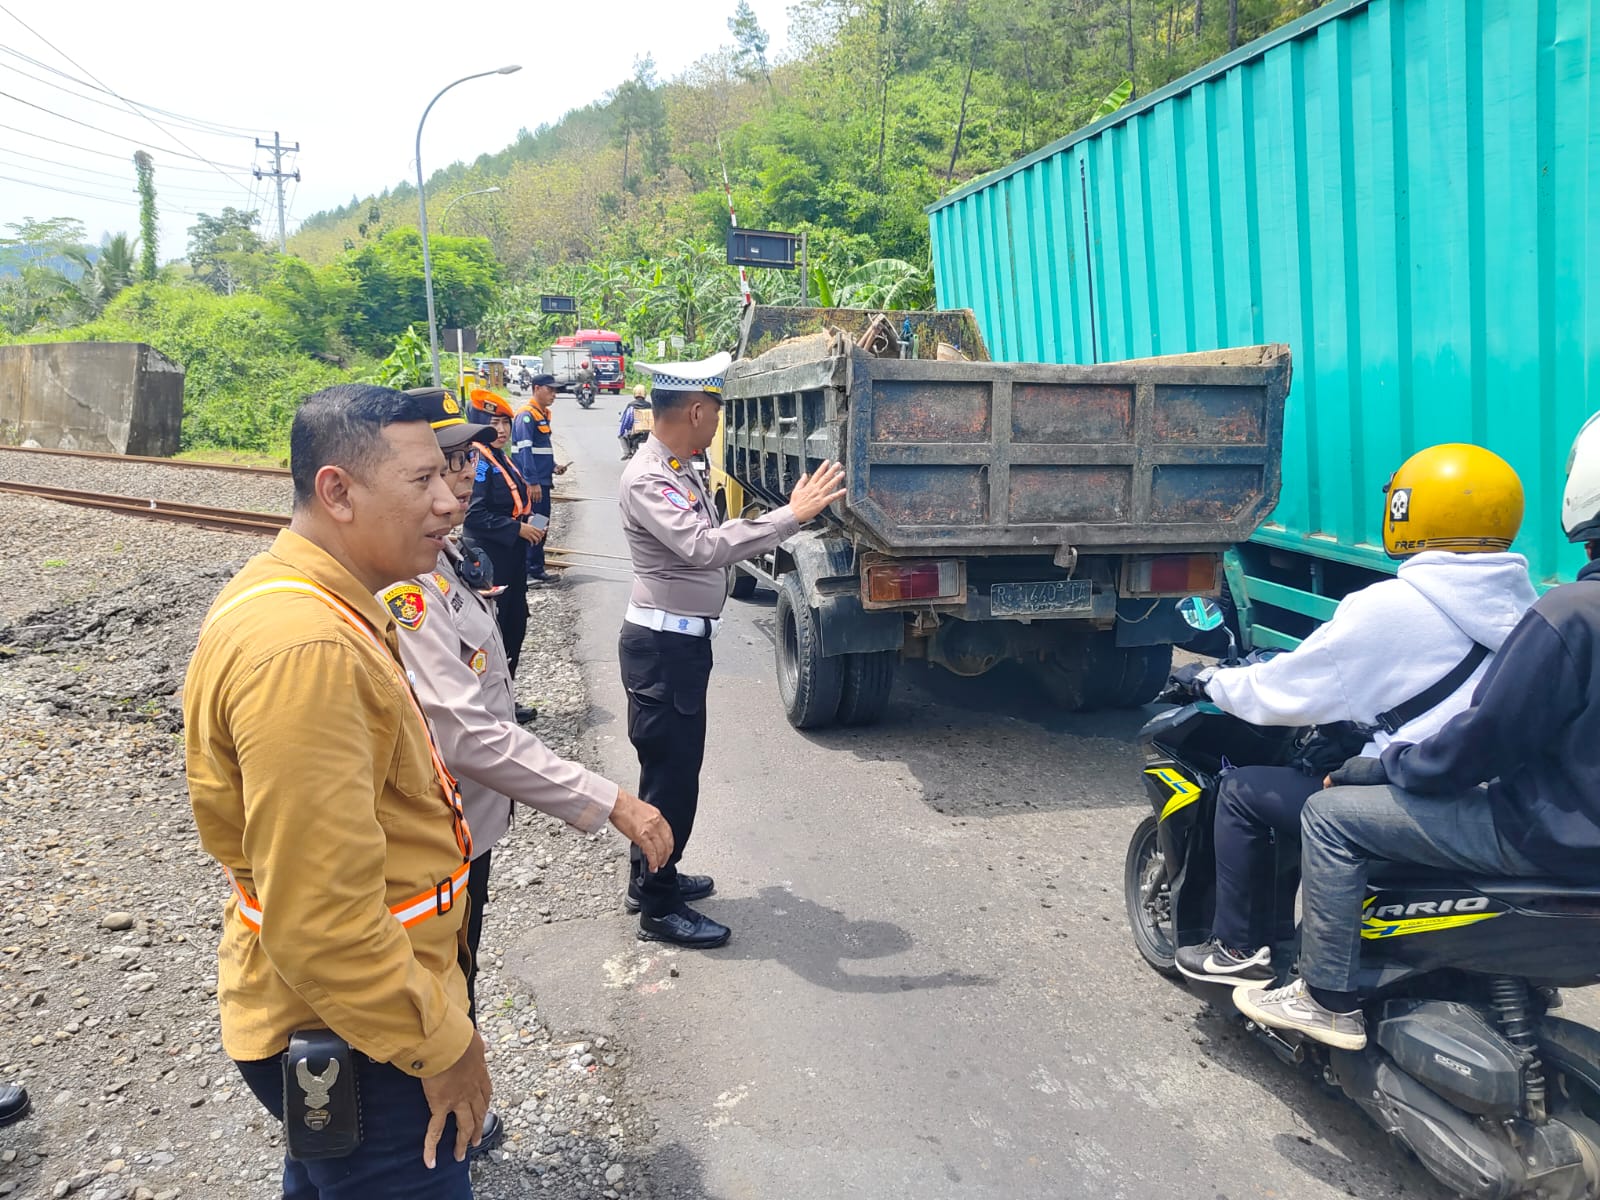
450	641
311	781
680	554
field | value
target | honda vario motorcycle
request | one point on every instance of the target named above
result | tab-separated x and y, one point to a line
1464	1063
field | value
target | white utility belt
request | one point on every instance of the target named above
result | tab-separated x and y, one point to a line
662	621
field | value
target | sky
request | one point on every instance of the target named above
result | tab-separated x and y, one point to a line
348	81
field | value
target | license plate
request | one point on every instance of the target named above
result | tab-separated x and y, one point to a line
1025	599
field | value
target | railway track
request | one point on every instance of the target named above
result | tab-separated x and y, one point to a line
232	520
189	464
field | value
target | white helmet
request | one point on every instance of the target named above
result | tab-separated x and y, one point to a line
1580	501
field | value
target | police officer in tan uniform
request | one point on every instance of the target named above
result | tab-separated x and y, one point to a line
681	557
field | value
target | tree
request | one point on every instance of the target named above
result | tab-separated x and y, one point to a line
640	114
750	44
219	246
389	291
144	166
114	269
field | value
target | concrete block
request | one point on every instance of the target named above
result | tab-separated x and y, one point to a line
117	397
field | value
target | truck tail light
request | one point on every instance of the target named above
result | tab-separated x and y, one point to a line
890	582
1172	575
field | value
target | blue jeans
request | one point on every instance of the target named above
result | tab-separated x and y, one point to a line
388	1163
1344	830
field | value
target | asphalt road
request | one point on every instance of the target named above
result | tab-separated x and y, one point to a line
931	990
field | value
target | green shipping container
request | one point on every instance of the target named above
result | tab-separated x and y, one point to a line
1407	192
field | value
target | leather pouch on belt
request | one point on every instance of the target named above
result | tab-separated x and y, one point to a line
321	1103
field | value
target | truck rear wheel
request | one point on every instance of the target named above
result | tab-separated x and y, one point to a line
1135	674
868	682
741	584
809	684
1092	671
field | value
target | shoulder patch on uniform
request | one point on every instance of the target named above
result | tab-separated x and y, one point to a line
479	662
406	603
482	472
675	498
442	583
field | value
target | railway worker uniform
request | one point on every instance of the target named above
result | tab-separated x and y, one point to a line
317	786
535	456
500	505
681	557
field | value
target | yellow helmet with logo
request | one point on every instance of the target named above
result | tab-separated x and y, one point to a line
1454	497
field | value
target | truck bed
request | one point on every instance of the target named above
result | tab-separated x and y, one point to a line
967	457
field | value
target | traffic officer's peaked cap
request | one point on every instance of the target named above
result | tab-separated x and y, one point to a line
703	376
450	425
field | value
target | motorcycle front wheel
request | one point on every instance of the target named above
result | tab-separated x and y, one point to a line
1149	898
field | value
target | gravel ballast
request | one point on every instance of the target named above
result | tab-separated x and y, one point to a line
111	912
150	481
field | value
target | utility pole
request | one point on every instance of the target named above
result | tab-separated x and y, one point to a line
278	175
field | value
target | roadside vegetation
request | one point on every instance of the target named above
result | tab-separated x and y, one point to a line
877	109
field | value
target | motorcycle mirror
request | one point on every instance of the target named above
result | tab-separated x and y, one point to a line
1200	612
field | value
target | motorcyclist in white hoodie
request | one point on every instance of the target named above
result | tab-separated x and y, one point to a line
1451	515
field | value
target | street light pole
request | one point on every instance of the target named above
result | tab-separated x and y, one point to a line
422	215
480	192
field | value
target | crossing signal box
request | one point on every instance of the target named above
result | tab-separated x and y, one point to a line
762	248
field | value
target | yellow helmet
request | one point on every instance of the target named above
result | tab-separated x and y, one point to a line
1454	497
638	391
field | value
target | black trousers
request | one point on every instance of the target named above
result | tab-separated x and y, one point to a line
536	552
1257	830
666	676
478	896
511	606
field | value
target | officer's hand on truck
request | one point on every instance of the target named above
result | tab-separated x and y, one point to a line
816	491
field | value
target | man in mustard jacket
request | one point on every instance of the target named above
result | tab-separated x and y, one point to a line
317	786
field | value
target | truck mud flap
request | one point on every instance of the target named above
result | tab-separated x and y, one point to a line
1149	622
847	628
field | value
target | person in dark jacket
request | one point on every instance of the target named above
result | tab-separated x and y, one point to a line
497	521
1531	734
534	454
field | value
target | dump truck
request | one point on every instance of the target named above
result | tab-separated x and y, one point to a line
1400	190
1048	515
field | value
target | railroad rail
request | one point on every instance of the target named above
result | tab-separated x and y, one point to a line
237	468
232	520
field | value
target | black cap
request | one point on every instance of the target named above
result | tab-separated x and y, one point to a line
450	426
547	380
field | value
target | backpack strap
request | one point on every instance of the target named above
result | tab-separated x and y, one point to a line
1401	715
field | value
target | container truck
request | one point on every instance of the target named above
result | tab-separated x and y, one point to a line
1404	192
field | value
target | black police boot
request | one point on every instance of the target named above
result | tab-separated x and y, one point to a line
690	887
526	714
684	927
14	1103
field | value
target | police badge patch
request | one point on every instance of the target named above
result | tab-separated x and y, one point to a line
407	605
442	583
675	498
479	662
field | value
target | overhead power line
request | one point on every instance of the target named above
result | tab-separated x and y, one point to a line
199	124
181	122
120	157
124	137
112	91
80	171
128	200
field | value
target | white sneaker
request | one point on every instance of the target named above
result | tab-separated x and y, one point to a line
1293	1008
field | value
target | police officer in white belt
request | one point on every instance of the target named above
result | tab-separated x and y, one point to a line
681	557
